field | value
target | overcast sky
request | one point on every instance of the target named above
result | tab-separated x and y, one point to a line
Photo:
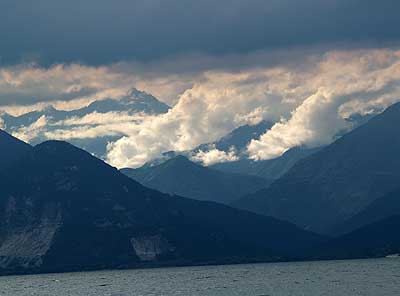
305	64
105	31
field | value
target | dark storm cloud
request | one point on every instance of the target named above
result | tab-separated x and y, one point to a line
103	31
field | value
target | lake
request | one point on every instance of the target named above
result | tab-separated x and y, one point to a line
343	278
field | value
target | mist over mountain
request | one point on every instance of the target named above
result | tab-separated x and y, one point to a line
180	176
338	182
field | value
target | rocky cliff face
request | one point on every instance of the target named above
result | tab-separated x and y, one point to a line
148	248
25	243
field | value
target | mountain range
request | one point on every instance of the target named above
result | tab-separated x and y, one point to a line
61	209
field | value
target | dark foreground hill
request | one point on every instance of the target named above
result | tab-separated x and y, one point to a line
61	209
182	177
331	186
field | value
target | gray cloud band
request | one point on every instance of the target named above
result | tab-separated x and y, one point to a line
101	32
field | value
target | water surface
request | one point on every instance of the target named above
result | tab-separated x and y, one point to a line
378	277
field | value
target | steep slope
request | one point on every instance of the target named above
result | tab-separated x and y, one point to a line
182	177
378	239
268	169
61	209
11	149
334	184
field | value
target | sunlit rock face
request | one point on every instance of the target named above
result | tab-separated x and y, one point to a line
147	248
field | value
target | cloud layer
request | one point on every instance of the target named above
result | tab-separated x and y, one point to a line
309	97
311	101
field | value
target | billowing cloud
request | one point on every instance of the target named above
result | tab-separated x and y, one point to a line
217	104
314	123
345	83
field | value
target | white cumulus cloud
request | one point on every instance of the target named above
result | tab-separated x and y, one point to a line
213	156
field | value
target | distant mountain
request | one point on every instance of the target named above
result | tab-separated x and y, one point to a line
11	149
133	103
182	177
268	169
331	186
378	239
62	209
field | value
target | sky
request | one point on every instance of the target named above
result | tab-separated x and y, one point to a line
305	64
